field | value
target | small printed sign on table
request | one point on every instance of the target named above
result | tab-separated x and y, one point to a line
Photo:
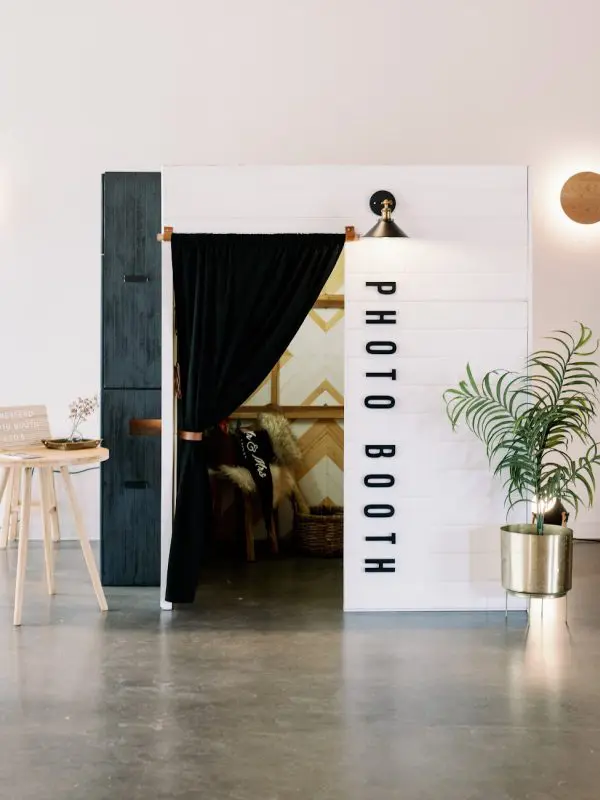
23	426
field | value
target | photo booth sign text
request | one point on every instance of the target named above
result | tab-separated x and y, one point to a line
371	454
421	507
23	426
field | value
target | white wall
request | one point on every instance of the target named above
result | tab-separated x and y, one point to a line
134	84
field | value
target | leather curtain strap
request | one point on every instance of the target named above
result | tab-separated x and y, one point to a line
190	436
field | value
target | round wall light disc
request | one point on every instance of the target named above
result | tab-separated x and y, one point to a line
580	198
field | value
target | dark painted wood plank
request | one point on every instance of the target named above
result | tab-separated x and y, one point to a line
131	331
130	538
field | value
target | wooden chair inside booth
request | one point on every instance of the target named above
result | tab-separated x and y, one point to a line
284	486
22	427
247	500
221	449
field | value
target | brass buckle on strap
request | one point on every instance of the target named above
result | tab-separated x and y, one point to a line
190	436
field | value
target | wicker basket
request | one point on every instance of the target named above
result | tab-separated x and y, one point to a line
321	532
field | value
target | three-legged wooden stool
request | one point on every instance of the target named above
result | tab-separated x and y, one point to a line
44	464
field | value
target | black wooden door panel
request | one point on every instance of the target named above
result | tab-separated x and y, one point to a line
130	547
131	275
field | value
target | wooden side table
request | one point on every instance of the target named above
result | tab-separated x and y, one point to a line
45	463
10	493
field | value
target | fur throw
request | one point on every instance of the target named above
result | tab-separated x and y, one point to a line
284	483
285	445
288	458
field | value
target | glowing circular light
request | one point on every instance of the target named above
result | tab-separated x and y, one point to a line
580	198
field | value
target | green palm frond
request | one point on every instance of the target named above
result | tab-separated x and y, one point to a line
528	421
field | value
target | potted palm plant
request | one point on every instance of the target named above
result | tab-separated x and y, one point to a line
529	423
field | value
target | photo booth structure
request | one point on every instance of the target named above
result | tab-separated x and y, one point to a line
462	290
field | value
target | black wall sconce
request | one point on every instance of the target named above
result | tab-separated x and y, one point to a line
383	203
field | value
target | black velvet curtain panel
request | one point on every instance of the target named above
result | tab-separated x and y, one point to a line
239	301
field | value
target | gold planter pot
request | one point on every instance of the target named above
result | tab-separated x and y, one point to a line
534	565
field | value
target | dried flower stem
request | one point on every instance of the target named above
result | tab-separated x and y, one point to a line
81	410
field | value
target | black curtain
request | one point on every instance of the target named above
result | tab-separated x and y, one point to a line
239	301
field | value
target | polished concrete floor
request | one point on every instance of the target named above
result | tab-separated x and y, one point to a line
265	691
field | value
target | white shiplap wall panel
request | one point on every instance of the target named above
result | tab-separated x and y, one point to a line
456	453
440	343
447	507
320	192
472	316
477	260
429	288
476	204
423	371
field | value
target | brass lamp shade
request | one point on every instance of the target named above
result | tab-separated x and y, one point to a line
385	228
